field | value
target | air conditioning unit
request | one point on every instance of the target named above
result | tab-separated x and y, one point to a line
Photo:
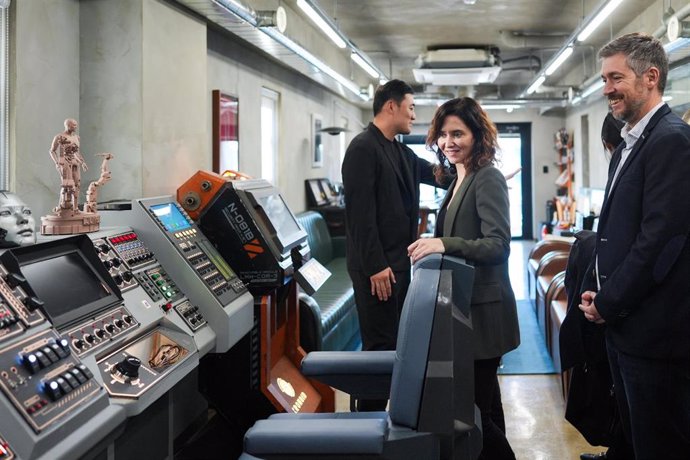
450	67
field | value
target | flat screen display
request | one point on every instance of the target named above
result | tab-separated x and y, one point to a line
171	217
64	283
279	215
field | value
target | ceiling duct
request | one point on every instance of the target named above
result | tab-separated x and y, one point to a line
455	67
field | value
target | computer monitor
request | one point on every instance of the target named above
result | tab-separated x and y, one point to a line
67	276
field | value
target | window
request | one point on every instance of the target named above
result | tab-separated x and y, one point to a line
269	135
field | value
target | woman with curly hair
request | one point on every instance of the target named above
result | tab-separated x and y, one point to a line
474	224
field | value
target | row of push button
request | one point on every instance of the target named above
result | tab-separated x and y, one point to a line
46	356
186	233
67	381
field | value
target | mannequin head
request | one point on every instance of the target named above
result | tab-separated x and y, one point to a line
16	221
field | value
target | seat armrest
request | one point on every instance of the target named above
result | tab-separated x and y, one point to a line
364	374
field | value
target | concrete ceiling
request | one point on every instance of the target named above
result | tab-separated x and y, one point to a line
526	32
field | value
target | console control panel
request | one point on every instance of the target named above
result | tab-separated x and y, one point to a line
116	266
5	451
17	310
131	249
97	332
44	380
191	315
132	370
159	285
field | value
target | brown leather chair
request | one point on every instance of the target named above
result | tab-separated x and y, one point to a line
559	306
551	265
539	250
555	290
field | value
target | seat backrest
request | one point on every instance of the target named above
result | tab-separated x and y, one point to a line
552	263
318	237
545	246
412	348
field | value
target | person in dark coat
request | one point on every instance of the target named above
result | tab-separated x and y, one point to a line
591	407
381	178
642	258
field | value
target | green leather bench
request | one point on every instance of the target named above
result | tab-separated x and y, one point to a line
328	319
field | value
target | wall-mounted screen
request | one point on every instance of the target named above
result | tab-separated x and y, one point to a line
170	217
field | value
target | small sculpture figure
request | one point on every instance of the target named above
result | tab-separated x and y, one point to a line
66	217
16	221
68	161
92	191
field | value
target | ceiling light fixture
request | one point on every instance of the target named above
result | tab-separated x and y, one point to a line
322	22
368	68
249	16
537	83
562	57
594	21
469	2
584	31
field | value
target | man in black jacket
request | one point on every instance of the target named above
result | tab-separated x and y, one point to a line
643	253
381	178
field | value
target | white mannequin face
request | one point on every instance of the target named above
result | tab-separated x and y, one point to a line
16	219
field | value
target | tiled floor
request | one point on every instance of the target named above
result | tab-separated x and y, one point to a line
533	404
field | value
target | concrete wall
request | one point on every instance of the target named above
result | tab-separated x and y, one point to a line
138	76
241	71
45	91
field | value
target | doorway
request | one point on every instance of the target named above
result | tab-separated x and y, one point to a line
515	141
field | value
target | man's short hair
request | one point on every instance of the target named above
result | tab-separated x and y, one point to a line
641	52
393	89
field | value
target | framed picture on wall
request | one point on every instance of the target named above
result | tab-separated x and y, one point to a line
317	141
226	139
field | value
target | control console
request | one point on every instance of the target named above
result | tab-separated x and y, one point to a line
185	254
44	380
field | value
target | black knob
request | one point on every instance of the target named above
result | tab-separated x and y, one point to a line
128	319
107	263
119	323
100	333
127	276
116	262
89	338
79	343
129	367
110	328
117	279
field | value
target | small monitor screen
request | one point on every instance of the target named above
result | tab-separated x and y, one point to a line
171	217
279	214
64	283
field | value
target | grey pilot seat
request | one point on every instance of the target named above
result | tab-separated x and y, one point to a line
429	379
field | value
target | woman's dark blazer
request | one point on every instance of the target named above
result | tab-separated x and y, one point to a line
477	228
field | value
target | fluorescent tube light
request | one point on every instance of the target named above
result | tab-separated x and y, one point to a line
598	19
508	107
592	88
565	54
359	60
676	44
238	10
316	17
537	83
